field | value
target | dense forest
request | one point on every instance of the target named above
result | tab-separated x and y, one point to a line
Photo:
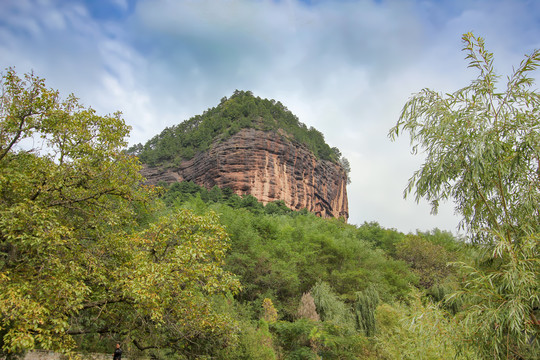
90	256
241	110
311	287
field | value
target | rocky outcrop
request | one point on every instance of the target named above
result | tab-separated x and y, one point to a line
268	166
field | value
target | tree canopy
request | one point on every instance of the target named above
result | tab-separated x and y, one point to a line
73	258
482	149
327	281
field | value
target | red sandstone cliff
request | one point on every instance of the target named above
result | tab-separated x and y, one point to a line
268	166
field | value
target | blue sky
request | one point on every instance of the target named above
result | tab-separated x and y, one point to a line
343	67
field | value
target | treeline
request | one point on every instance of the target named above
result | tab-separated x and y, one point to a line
242	110
180	192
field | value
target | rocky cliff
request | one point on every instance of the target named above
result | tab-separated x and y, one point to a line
268	166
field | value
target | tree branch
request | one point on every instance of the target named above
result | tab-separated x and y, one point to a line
105	302
142	348
17	135
83	332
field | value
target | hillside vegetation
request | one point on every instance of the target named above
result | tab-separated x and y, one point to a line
242	110
315	287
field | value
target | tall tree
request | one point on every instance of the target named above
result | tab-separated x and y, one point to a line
364	310
69	251
482	148
65	190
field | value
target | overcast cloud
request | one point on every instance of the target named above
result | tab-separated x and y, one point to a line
343	67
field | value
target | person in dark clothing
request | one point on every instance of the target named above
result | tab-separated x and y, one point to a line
117	353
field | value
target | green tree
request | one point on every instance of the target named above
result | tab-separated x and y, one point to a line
422	330
364	310
331	308
482	148
72	258
177	263
215	194
429	261
63	203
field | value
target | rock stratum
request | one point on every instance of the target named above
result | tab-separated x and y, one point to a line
269	166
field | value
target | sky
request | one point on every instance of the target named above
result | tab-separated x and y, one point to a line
345	67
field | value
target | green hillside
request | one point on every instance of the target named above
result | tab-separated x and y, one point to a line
365	283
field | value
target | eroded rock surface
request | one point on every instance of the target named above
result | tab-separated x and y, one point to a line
268	166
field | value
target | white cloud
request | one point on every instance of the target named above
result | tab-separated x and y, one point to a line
122	4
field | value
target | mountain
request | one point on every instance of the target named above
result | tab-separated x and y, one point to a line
252	146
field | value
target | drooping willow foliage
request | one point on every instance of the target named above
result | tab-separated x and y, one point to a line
482	148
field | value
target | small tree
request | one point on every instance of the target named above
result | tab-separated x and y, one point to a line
307	309
330	307
482	149
270	312
428	260
364	310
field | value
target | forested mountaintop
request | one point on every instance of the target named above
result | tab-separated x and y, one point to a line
242	110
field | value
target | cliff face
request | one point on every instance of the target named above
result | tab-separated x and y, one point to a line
268	166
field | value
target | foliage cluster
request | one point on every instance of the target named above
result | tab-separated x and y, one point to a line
342	269
178	193
482	148
283	256
76	258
